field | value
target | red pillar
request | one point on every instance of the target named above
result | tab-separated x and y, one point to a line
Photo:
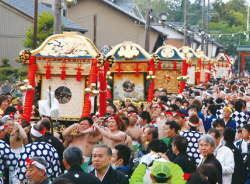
243	64
199	78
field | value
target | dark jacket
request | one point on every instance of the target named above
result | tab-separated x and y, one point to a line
186	162
212	160
77	175
125	170
58	145
239	171
113	177
171	156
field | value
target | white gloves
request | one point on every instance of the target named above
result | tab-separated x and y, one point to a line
147	158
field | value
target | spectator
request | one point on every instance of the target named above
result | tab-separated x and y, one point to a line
161	172
207	146
212	116
55	142
36	170
229	122
73	159
220	126
120	159
4	103
186	162
238	116
171	129
196	178
238	175
111	108
40	149
224	155
210	172
6	88
149	134
244	144
180	118
193	136
101	157
144	120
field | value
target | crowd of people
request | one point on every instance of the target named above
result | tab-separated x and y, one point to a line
201	136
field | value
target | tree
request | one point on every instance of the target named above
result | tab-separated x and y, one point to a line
44	29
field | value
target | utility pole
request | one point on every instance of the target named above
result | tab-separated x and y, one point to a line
185	22
207	38
247	23
95	19
57	17
147	25
203	25
35	24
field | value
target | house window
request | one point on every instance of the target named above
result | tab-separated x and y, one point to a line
48	5
65	13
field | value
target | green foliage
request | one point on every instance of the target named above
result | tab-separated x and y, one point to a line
44	29
7	71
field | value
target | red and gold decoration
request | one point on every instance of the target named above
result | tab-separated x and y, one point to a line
109	78
30	85
63	67
151	78
79	74
48	71
137	70
197	72
183	77
167	78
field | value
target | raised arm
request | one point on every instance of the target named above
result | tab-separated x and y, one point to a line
120	136
142	141
67	133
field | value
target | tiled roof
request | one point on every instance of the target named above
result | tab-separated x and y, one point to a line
27	7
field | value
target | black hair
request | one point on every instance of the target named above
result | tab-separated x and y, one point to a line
156	90
212	108
219	122
210	171
229	135
107	114
158	146
163	98
182	112
238	105
174	107
215	131
195	107
185	101
9	110
164	90
124	152
90	120
178	100
45	124
145	115
109	100
133	106
181	143
197	93
113	106
239	130
219	100
152	130
174	125
196	178
247	127
126	120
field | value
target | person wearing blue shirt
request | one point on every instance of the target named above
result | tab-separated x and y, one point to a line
212	112
229	122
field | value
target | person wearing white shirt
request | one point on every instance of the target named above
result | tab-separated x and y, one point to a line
225	157
243	144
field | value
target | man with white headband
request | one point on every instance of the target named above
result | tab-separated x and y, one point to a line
7	157
40	149
36	170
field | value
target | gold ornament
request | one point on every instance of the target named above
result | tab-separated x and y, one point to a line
111	60
74	131
197	69
24	56
188	60
101	60
128	52
92	91
150	73
108	88
155	58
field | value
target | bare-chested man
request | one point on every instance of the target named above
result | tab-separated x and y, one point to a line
161	122
113	134
81	140
17	137
134	131
180	117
